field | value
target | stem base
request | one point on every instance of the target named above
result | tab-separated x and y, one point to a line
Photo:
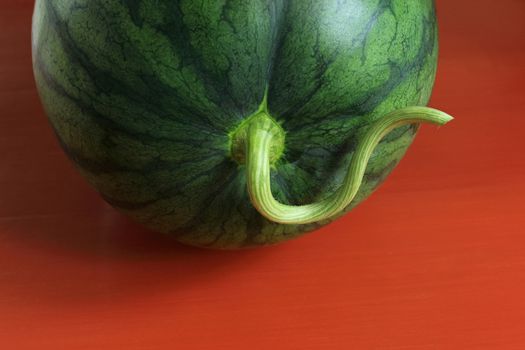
264	122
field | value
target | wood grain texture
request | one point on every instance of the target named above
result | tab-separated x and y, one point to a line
435	259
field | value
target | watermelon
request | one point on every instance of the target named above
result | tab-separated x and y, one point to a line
235	123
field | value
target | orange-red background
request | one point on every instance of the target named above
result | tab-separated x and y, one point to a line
433	260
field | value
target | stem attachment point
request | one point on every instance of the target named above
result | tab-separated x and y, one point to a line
261	121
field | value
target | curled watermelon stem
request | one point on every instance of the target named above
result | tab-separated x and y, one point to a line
260	140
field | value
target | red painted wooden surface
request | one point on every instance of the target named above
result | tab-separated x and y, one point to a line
433	260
